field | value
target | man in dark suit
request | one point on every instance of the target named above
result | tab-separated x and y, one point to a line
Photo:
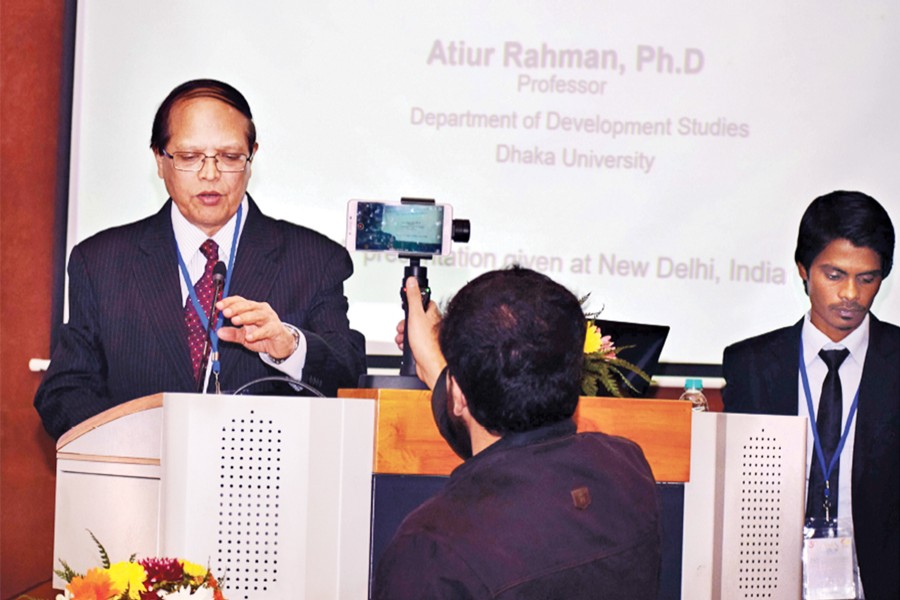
844	250
140	295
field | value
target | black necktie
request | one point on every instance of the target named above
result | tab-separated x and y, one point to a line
828	424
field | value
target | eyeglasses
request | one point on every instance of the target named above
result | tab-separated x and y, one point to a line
226	162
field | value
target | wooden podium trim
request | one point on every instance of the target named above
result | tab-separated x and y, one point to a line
108	415
119	460
407	441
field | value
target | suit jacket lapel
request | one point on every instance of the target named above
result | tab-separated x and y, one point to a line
873	417
257	263
781	370
155	275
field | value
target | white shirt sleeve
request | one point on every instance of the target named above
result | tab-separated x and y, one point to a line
292	365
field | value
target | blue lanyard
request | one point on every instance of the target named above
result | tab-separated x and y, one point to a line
204	320
812	421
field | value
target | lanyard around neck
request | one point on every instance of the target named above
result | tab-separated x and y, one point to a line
204	320
812	421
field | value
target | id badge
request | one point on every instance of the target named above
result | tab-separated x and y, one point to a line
830	571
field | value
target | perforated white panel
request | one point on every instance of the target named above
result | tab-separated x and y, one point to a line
743	507
274	493
762	507
761	537
249	504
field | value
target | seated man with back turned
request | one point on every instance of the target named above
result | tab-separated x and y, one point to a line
135	325
839	355
538	511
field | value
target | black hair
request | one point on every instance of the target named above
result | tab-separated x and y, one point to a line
852	216
514	342
199	88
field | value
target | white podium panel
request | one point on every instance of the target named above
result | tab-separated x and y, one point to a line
744	507
117	501
108	483
273	493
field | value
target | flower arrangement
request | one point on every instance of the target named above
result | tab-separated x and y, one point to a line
601	365
146	579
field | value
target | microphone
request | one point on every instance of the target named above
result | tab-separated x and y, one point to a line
218	277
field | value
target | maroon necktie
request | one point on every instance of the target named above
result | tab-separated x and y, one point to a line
204	288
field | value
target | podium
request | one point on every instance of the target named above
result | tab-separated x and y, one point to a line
298	497
744	507
273	493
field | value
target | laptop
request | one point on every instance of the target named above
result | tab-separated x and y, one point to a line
646	344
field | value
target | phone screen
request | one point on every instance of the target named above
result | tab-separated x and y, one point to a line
414	228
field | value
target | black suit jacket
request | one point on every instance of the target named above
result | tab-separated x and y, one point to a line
126	337
761	376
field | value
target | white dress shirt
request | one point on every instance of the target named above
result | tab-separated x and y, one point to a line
850	372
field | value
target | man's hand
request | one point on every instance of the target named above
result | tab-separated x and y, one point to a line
256	327
423	335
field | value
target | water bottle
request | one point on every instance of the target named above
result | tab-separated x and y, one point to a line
693	393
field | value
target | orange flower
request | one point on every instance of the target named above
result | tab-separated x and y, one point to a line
95	585
210	582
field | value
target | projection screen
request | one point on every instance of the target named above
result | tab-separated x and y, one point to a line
657	156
